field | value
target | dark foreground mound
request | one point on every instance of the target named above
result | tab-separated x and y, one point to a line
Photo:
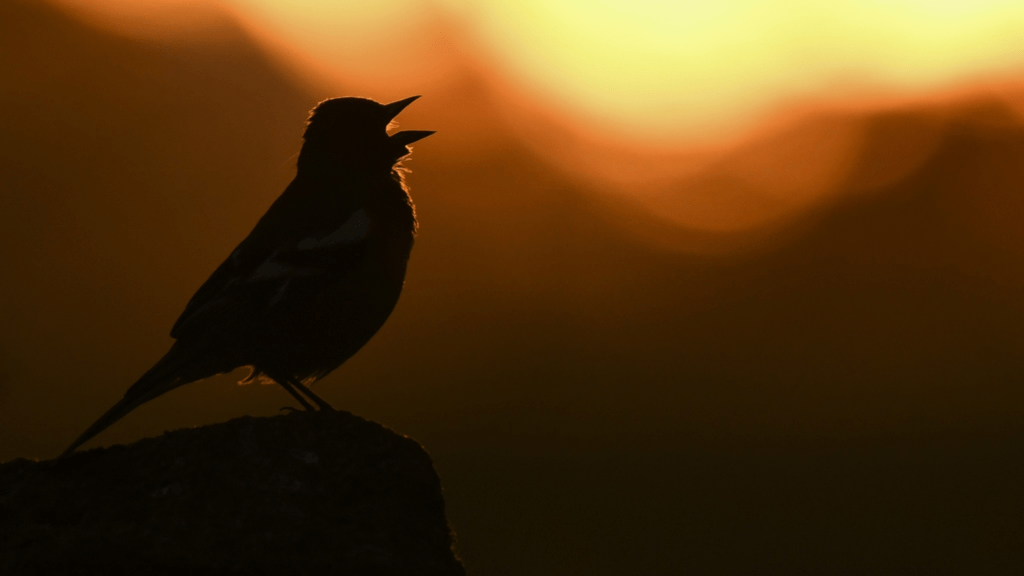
306	493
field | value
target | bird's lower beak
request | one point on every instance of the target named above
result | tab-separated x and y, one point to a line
406	137
395	108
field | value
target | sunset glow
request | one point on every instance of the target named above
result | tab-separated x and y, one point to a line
640	98
662	73
726	287
669	72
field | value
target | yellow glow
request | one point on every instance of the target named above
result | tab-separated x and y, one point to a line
372	46
695	107
663	73
669	71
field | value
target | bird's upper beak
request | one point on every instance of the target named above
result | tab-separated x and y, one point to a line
404	137
396	107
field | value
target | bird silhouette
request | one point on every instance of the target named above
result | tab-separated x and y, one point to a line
317	276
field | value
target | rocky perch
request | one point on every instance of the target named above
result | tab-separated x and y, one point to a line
303	493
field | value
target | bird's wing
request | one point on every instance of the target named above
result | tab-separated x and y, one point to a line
222	282
281	253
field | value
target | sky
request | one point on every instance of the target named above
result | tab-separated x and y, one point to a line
627	84
720	292
660	74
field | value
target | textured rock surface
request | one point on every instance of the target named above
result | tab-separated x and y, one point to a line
304	493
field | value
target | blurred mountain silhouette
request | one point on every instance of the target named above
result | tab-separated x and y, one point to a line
845	400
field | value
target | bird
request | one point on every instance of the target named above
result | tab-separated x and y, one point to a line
317	276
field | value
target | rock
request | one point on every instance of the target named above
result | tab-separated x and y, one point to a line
303	493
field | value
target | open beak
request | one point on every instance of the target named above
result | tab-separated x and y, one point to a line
405	137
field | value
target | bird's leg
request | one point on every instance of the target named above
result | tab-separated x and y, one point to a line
323	404
288	386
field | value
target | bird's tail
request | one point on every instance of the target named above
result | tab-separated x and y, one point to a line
161	378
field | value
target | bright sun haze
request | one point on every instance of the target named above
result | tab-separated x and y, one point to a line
640	97
663	73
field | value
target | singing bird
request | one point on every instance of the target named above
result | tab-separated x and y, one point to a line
315	279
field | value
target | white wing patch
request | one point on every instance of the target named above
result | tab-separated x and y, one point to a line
269	270
355	229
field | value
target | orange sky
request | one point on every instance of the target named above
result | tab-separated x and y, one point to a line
640	97
662	73
846	391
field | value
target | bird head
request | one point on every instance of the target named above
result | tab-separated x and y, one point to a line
357	128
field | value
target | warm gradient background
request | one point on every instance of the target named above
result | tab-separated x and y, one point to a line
754	311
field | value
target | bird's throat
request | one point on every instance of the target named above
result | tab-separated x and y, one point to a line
316	157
